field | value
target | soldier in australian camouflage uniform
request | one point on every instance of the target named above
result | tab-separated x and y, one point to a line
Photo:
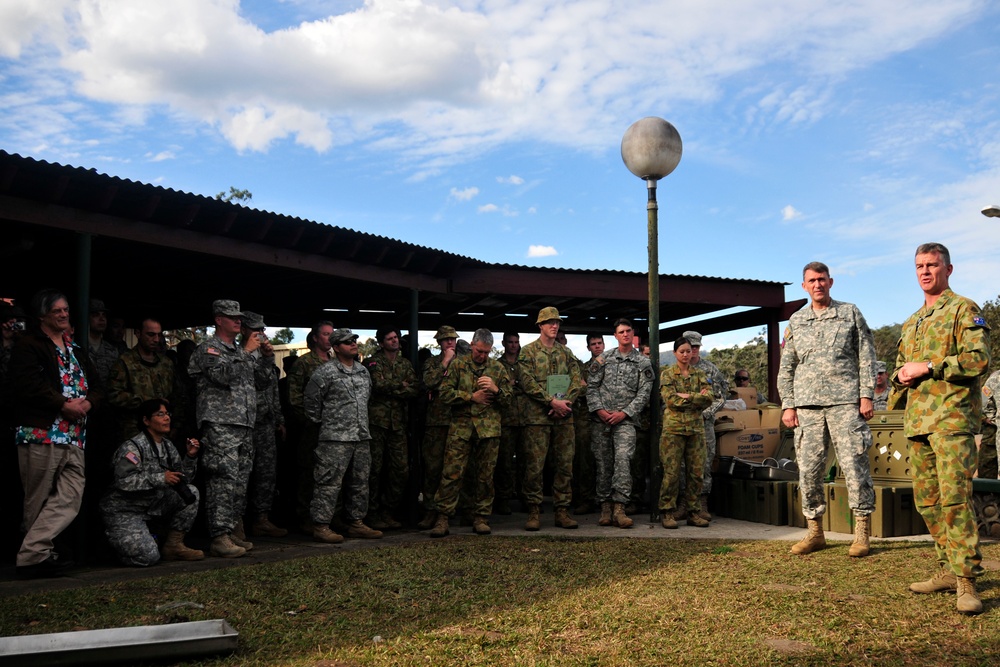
942	358
719	385
393	384
476	387
148	470
227	378
437	422
584	466
138	375
336	399
618	386
102	353
826	381
510	458
548	419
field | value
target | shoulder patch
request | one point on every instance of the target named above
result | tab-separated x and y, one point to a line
133	457
987	391
979	321
212	350
648	372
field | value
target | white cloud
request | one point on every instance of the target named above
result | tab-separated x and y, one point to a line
464	195
510	180
488	208
161	156
790	213
542	251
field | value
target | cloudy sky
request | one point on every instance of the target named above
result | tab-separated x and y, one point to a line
846	131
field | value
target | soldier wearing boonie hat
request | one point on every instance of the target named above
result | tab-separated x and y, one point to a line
438	420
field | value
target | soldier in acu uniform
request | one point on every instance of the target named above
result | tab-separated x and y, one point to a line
942	357
880	397
826	381
988	444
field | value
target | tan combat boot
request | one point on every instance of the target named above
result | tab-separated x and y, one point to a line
390	522
941	582
429	517
239	536
862	529
813	541
694	519
265	528
358	529
534	522
563	519
175	549
223	547
480	525
440	528
323	533
967	602
667	519
703	512
605	519
620	518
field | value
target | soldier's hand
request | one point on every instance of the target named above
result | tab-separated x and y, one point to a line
172	477
867	408
447	356
482	397
790	418
561	408
192	447
251	342
912	371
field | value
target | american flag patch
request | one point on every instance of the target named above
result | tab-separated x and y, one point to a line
212	350
133	457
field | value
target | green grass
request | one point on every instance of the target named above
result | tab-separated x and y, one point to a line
536	601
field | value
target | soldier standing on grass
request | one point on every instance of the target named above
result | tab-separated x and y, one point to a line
988	444
826	381
942	357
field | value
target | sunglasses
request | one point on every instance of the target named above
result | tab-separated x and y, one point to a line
742	379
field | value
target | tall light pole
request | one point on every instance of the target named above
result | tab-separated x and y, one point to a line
651	149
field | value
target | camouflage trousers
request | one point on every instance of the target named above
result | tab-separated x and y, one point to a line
333	459
988	452
305	461
844	426
264	477
538	439
390	469
706	476
613	448
461	451
584	465
128	533
432	450
677	448
640	466
226	458
504	475
942	491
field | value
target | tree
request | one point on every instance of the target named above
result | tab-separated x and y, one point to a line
886	339
282	336
234	195
751	356
991	313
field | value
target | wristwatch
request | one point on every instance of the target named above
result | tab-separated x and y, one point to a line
930	368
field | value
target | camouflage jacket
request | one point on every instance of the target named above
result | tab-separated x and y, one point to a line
828	357
388	406
438	412
953	335
718	383
268	401
134	380
990	389
138	467
536	364
227	378
298	378
616	382
336	398
103	357
684	415
460	384
512	411
580	409
880	401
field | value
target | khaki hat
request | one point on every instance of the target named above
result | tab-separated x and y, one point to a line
546	314
342	336
227	307
253	320
445	333
692	337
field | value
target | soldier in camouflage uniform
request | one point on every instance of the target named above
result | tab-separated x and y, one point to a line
686	393
102	353
227	378
719	385
336	399
476	387
584	466
320	352
510	458
437	422
268	426
988	444
826	381
943	355
550	379
148	470
393	384
880	397
618	386
138	375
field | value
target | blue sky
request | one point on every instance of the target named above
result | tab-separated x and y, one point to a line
844	131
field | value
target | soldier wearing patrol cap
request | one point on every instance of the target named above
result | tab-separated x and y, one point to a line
550	380
988	444
437	422
880	399
227	377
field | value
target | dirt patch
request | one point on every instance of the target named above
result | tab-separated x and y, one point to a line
788	646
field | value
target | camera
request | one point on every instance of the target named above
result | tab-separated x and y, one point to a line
186	494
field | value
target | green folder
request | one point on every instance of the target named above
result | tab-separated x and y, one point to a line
557	386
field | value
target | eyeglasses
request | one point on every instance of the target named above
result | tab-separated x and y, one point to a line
161	414
740	378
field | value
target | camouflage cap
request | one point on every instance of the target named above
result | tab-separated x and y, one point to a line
880	367
692	337
546	314
97	306
227	307
445	333
342	336
252	320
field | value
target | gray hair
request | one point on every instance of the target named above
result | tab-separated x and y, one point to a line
41	303
484	336
928	248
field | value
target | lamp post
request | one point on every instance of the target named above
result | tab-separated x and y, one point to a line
992	211
651	149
